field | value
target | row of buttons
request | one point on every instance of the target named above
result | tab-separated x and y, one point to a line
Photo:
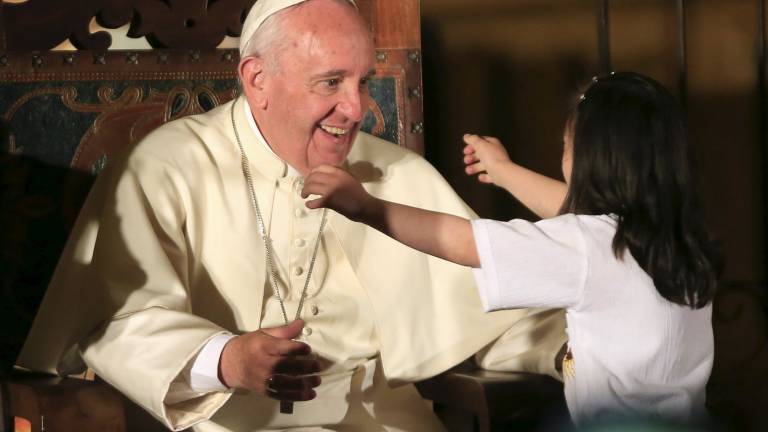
314	310
298	271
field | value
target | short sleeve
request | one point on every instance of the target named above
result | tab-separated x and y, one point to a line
525	264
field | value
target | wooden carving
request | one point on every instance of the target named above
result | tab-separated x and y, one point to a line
183	24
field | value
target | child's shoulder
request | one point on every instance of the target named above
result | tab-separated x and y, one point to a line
580	221
563	229
591	230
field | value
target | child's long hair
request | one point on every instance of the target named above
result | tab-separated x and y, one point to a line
631	159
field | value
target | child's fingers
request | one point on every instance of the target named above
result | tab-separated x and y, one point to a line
327	169
492	139
474	140
474	168
468	149
315	203
316	185
320	176
484	178
470	159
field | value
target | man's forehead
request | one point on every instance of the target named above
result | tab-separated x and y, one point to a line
262	10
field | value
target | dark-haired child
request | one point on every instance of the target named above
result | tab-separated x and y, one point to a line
622	247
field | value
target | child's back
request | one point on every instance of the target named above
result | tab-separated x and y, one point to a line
635	353
637	284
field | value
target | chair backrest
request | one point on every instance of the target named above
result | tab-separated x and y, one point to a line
65	113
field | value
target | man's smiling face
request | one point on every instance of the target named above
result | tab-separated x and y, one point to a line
315	100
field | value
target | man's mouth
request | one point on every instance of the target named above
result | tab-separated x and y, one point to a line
335	131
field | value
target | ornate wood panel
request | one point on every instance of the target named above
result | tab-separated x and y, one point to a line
197	24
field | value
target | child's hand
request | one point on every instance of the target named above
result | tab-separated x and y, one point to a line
484	156
337	190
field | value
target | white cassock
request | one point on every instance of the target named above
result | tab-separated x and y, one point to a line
166	255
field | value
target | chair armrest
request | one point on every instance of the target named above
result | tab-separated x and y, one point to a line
491	400
55	403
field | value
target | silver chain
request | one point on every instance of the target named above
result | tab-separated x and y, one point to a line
267	239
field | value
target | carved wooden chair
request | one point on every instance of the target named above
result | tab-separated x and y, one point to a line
65	113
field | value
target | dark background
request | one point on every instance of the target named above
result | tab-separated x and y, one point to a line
509	68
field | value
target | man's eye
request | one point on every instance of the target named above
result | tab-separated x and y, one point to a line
332	82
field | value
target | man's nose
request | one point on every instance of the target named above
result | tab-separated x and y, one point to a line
352	104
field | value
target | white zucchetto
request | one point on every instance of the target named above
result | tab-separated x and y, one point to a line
260	11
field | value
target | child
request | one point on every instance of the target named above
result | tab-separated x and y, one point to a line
622	248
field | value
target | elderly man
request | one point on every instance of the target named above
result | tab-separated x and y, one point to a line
216	299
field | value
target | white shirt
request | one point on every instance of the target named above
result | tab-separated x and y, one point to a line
635	353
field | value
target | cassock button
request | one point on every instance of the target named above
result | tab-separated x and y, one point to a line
314	309
299	212
307	331
299	242
298	271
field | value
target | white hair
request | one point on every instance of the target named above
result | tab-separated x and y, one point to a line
269	39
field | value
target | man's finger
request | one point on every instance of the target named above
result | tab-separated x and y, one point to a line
297	365
288	331
282	383
287	347
281	343
287	388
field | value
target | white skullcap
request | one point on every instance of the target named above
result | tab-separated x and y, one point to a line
260	11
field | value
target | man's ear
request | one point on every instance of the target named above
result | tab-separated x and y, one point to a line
252	77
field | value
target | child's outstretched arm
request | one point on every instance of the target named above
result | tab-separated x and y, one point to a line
487	157
438	234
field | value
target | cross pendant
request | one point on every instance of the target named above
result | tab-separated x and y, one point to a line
286	407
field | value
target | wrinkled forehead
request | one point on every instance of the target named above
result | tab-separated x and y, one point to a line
262	10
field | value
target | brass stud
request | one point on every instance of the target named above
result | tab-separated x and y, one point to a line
162	57
417	128
228	56
381	56
37	60
194	55
69	59
3	60
99	58
132	58
414	56
414	92
99	164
